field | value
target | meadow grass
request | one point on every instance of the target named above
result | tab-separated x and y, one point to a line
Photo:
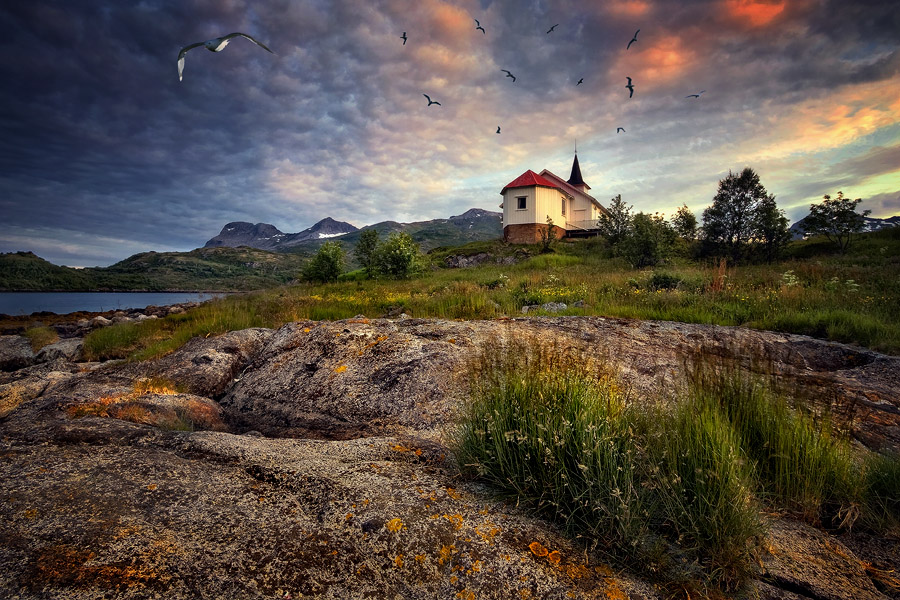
853	298
676	484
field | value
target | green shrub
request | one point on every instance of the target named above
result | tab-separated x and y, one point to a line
663	281
328	263
399	257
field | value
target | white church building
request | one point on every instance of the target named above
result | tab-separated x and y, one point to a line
530	198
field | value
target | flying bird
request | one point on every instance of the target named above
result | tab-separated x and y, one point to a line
215	45
498	129
633	40
552	28
508	74
403	37
580	81
630	87
694	95
620	129
430	101
478	26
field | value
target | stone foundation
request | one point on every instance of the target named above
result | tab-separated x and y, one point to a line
529	233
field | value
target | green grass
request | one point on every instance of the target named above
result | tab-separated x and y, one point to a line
800	464
41	336
854	298
677	486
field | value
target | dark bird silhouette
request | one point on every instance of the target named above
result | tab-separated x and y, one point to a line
430	101
215	45
694	95
580	81
633	40
498	129
630	87
620	129
403	37
552	28
508	74
478	26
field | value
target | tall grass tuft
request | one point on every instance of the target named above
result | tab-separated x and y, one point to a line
800	464
556	438
703	488
881	493
560	435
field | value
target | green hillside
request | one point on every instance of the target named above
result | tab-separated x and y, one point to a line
204	269
26	271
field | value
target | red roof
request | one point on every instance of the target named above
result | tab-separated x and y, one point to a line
527	179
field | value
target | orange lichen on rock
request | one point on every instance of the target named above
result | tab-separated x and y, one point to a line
340	369
394	525
554	557
487	531
457	520
453	493
538	549
398	561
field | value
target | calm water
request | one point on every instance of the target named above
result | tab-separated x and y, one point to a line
25	303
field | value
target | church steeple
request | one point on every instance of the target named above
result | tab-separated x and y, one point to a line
575	179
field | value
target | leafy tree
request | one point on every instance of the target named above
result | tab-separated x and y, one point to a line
399	257
770	228
836	219
366	251
327	264
729	223
649	240
685	223
615	223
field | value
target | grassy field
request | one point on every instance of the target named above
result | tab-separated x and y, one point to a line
853	298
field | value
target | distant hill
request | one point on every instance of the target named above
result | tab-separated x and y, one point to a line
204	269
262	257
267	237
798	229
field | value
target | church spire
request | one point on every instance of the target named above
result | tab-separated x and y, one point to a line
575	178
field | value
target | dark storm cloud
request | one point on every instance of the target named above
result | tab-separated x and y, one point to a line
100	141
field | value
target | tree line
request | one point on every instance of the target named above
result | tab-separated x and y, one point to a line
397	257
743	223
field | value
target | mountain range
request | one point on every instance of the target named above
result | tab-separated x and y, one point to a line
473	225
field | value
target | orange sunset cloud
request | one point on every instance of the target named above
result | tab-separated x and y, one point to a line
755	12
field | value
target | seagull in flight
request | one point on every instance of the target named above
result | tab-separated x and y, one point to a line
215	45
478	26
403	37
630	87
430	101
580	81
498	129
633	40
508	74
620	129
694	95
552	28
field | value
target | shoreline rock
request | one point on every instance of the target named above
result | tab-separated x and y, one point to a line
318	465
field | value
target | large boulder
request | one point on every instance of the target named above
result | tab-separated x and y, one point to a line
206	366
355	377
69	349
15	353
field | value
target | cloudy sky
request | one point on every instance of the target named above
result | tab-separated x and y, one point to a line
104	153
